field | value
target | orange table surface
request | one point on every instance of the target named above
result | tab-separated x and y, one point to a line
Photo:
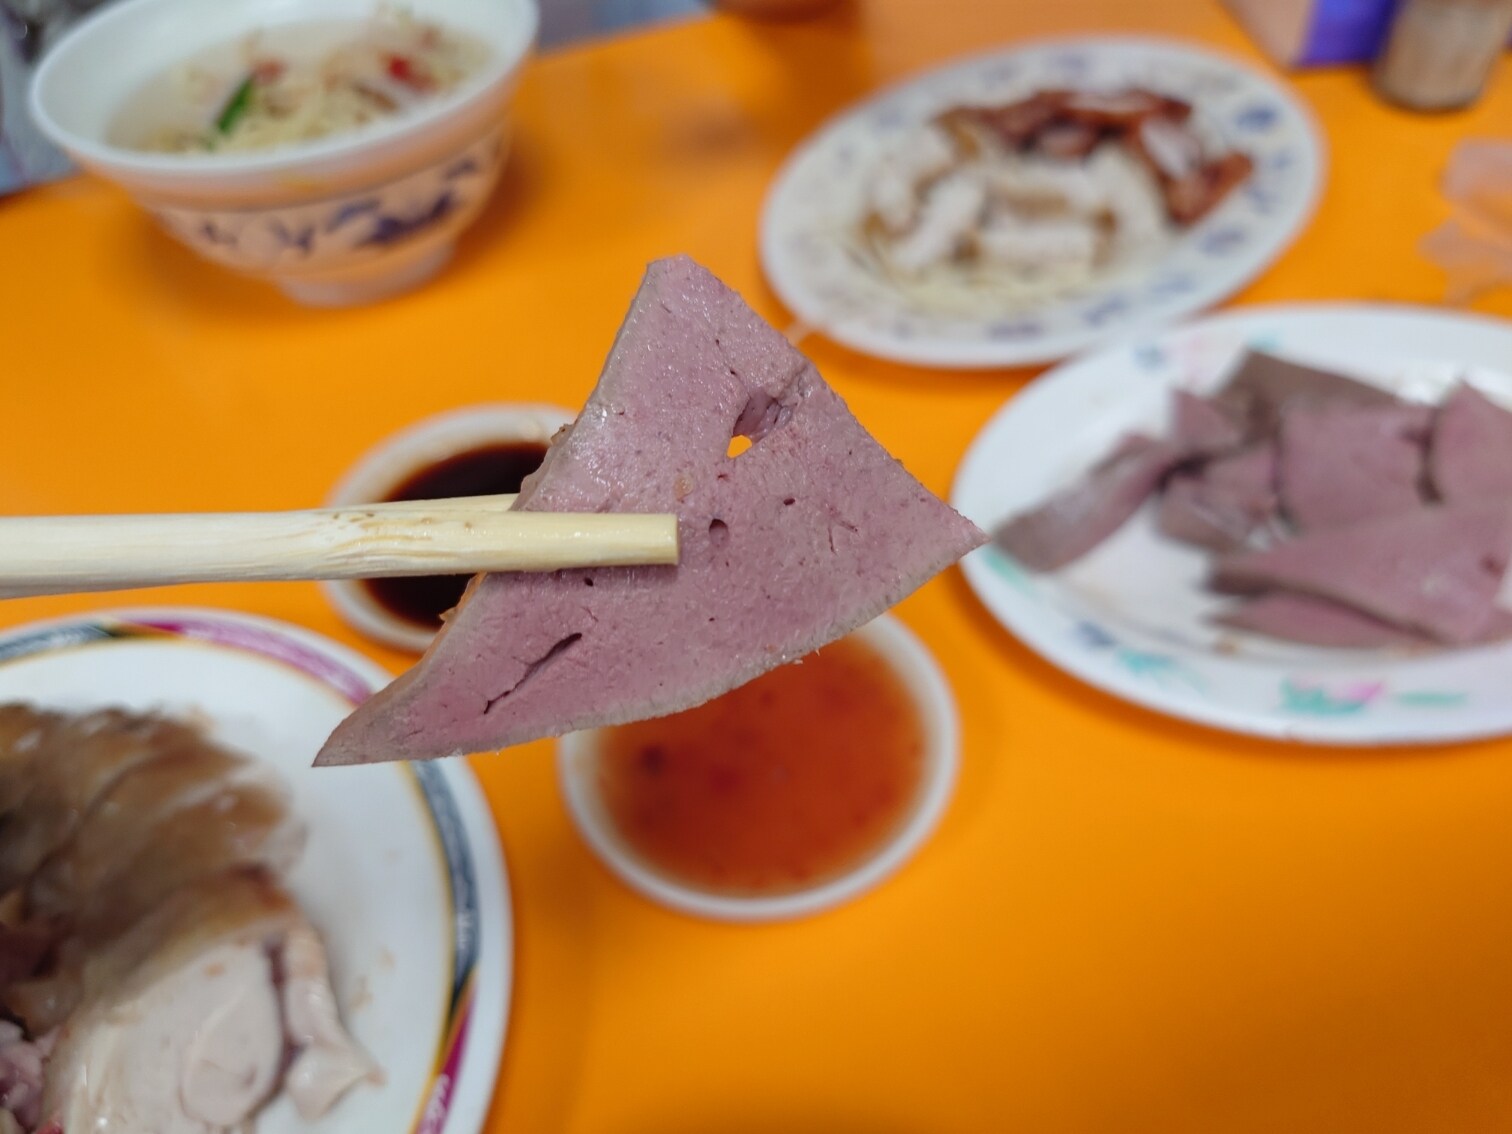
1124	923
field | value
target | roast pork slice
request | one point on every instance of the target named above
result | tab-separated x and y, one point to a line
1228	504
1203	425
1192	197
807	534
78	759
131	816
1012	126
1436	570
182	1025
1123	109
1342	464
1262	385
1068	141
1079	517
1470	452
1315	621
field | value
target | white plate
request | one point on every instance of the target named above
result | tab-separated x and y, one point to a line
402	873
817	199
1130	618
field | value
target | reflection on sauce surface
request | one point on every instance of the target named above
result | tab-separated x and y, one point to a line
487	471
776	786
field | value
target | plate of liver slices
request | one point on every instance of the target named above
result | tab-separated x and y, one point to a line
1290	521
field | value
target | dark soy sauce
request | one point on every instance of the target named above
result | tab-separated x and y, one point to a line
486	471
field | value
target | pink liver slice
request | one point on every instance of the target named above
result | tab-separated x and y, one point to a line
1436	570
1230	503
1343	464
1080	516
811	532
1316	621
1470	452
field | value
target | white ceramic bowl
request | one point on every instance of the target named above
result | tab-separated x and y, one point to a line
346	219
576	761
391	463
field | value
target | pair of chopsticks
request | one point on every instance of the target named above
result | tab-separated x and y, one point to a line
43	555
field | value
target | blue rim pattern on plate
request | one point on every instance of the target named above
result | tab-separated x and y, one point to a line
428	780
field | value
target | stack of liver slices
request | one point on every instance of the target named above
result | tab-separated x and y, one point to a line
1340	514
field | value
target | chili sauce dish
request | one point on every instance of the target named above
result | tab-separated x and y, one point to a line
333	147
788	796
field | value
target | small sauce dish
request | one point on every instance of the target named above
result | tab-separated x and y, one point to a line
477	451
727	812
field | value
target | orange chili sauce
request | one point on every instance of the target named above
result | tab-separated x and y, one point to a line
779	785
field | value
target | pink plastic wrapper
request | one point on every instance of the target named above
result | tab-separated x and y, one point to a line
1475	245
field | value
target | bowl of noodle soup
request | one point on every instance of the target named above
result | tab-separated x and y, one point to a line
334	147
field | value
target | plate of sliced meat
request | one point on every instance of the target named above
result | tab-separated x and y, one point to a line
201	932
1030	203
1288	521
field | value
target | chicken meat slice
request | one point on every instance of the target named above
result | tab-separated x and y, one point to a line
127	819
327	1063
185	1023
24	732
245	823
951	210
70	763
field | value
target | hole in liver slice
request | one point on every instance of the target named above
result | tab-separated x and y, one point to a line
760	415
719	532
738	445
788	501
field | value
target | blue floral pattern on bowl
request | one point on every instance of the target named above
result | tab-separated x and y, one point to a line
340	231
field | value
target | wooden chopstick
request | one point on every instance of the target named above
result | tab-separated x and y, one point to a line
42	555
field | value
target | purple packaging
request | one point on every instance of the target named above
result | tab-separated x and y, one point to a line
1316	33
1311	33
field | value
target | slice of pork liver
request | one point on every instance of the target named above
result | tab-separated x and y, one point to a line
1263	384
1470	452
1344	464
809	533
1436	570
1227	504
1204	425
1083	514
1314	621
